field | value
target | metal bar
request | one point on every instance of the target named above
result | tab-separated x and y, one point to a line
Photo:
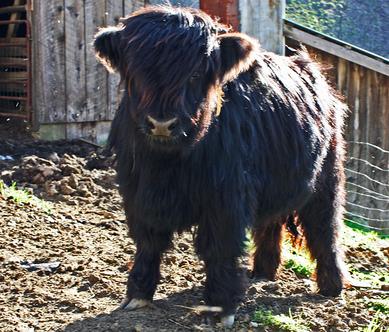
29	71
27	63
13	98
16	115
12	44
12	9
13	81
13	22
16	40
13	64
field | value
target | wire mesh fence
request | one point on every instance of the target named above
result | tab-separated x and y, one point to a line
367	186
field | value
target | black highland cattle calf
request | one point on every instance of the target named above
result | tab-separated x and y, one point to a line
216	133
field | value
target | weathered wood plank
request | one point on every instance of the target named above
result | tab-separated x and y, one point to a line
383	109
115	11
363	129
337	50
92	131
49	61
130	6
96	75
342	76
75	62
180	3
374	136
353	130
263	19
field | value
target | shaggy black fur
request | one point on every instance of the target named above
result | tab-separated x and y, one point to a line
275	150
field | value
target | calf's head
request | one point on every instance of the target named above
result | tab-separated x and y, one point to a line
174	63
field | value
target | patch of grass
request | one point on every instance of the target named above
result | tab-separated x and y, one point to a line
374	278
366	256
376	324
297	260
22	196
299	269
353	237
249	243
381	305
280	322
357	226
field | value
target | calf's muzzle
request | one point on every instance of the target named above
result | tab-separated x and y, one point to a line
161	128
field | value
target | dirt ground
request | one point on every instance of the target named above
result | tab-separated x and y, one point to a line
78	228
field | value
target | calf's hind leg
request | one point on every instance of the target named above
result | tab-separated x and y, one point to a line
320	219
267	254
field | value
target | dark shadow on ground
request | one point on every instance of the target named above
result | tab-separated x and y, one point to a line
174	313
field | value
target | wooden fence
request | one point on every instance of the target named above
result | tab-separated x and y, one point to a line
73	94
363	80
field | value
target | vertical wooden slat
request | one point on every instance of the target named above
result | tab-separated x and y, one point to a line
353	128
130	6
363	124
382	104
75	62
370	153
114	11
49	61
263	19
342	76
375	137
95	74
383	107
180	3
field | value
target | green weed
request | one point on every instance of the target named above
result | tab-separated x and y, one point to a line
357	226
353	237
297	260
299	269
376	324
280	322
381	305
249	243
22	196
374	278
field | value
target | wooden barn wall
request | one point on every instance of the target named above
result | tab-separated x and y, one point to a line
69	86
263	20
367	94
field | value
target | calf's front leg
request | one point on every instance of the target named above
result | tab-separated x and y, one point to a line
220	249
145	273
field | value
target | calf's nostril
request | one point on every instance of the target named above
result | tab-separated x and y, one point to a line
149	123
173	125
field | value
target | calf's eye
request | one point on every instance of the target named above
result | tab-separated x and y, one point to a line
195	77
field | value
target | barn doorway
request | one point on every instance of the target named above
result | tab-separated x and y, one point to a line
15	59
227	10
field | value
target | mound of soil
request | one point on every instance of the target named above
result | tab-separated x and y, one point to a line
63	265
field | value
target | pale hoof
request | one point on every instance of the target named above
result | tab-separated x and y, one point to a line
228	321
134	304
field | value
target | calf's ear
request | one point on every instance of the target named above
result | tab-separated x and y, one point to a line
107	47
237	53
